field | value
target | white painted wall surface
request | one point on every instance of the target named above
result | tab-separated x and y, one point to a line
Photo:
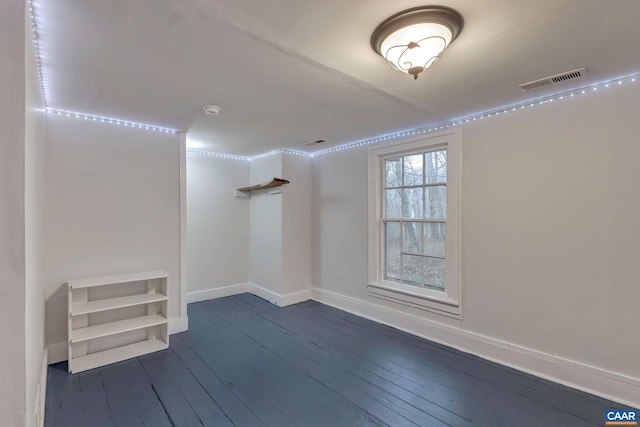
296	224
265	226
112	206
264	240
549	232
12	218
35	152
217	223
339	222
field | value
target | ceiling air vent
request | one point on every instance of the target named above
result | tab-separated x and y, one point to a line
317	141
551	80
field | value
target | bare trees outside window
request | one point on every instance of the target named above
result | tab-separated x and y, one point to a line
415	213
414	222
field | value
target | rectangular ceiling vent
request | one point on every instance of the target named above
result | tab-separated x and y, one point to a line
317	141
551	80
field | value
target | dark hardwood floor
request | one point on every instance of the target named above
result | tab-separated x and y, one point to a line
245	362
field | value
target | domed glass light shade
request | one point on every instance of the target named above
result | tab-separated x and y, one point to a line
414	39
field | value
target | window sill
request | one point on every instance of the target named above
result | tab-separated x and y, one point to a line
415	298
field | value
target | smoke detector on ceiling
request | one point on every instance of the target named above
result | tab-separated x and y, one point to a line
211	110
555	79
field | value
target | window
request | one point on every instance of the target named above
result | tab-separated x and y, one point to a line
414	223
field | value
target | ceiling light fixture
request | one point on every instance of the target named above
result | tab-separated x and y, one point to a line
414	39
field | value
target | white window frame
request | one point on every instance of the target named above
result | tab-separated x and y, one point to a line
447	302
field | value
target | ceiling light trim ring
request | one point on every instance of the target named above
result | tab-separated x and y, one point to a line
446	16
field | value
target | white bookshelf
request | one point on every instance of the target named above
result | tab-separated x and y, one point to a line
114	318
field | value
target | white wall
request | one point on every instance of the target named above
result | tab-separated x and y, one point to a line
12	219
549	238
296	224
112	201
217	225
280	232
550	233
35	152
339	222
265	226
260	244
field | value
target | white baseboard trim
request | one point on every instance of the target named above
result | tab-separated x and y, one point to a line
266	294
295	297
601	382
278	299
224	291
178	324
42	390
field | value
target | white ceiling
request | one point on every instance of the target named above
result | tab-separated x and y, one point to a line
286	72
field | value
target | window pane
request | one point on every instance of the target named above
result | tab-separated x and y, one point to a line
436	166
393	173
413	170
412	270
436	202
393	203
434	273
413	202
411	237
412	234
434	239
392	268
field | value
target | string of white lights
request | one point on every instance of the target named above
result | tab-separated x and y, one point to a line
73	114
219	155
267	154
296	152
487	114
109	120
36	46
250	158
435	127
378	139
282	151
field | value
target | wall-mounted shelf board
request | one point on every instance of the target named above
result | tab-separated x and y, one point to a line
113	318
275	182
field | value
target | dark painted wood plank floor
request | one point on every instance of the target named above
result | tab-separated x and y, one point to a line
245	362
